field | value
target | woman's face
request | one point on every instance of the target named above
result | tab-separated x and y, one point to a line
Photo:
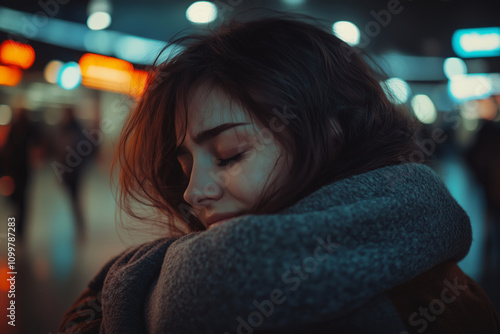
226	156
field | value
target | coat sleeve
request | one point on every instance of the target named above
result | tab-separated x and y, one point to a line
113	301
85	315
444	300
291	270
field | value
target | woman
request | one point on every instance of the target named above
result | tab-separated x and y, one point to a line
293	199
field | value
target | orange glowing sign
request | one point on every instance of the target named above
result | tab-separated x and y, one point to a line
112	74
17	54
10	76
4	284
138	82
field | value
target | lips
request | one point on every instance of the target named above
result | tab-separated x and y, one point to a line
220	217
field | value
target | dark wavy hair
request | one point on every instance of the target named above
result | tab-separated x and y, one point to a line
340	122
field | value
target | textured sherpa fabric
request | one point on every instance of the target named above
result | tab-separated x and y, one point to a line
318	260
378	229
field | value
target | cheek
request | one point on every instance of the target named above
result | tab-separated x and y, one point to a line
243	185
247	185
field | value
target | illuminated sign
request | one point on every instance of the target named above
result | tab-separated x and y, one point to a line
477	42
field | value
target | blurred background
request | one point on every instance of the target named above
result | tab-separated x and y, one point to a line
71	69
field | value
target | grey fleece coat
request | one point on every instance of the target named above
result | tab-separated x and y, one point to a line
328	258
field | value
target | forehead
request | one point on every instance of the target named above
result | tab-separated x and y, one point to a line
206	109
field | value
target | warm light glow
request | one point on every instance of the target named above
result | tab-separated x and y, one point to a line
10	76
18	54
4	284
7	186
201	12
51	71
111	74
138	82
4	133
99	20
104	72
487	109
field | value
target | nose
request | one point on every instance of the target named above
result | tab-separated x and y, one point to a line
202	189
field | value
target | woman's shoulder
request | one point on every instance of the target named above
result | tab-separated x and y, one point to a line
131	256
441	300
444	300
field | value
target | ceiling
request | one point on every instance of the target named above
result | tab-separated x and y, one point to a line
420	28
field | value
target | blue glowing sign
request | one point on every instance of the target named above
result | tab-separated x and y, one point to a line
476	42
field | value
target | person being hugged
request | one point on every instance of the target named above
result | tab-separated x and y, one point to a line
290	203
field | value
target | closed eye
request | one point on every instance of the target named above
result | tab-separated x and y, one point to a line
225	162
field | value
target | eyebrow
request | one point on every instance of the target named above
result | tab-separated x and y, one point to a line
206	135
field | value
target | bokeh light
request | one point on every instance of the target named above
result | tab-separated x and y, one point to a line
7	185
347	31
397	90
10	75
17	54
51	71
201	12
99	20
487	109
454	66
470	86
477	42
70	76
5	114
424	109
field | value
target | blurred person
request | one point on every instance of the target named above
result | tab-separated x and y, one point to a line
23	138
73	151
483	158
290	199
